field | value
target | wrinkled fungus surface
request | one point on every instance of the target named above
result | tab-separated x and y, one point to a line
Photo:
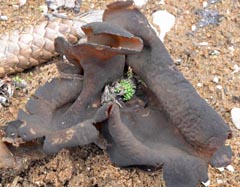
166	123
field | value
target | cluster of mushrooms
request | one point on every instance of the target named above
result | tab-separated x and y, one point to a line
165	124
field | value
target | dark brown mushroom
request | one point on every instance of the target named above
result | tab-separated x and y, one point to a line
140	135
6	157
101	62
65	110
199	124
182	132
11	157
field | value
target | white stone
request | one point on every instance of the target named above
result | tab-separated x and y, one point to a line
194	27
3	18
178	61
207	183
15	7
199	84
205	4
230	168
236	68
219	181
164	20
216	79
219	87
221	169
235	115
203	43
161	2
231	49
215	52
22	2
140	3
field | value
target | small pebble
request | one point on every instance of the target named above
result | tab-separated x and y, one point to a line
140	3
164	20
235	115
213	1
22	2
205	4
203	43
219	87
161	2
221	169
3	18
178	61
230	168
194	27
236	68
199	84
216	79
214	52
219	181
231	49
15	7
207	183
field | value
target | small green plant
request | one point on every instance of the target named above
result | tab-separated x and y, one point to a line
17	79
19	83
117	90
127	87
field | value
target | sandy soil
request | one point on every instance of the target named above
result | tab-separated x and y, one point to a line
90	166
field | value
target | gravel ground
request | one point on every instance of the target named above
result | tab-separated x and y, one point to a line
206	57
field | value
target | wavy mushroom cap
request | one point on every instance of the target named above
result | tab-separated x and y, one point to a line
113	36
